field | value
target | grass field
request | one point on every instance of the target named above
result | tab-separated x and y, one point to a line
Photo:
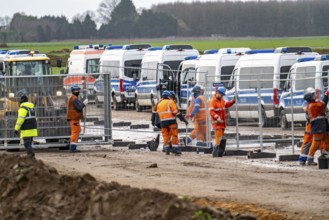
200	44
62	49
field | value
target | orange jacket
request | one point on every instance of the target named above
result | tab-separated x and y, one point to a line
316	112
217	109
200	116
167	110
72	113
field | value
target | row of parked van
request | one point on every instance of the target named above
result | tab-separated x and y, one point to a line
139	73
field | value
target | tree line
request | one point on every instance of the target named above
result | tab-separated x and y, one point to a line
120	19
256	18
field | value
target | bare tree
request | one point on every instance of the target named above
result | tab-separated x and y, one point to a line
105	9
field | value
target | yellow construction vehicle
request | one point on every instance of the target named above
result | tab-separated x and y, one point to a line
28	73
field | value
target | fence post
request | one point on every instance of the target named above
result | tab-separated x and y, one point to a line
236	117
208	92
292	117
260	115
107	107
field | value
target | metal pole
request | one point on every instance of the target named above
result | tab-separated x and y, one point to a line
107	107
236	116
292	116
260	115
208	92
86	94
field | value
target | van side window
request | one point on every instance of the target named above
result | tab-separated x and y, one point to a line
284	71
225	75
325	71
132	67
92	66
305	77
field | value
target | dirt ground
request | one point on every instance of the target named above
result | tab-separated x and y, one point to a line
32	190
267	189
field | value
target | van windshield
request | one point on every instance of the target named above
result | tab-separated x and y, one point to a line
149	70
92	66
132	67
112	67
249	76
188	77
305	72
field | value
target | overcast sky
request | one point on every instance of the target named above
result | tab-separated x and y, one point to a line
68	8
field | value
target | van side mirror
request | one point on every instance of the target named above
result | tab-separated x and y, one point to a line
144	77
59	63
62	72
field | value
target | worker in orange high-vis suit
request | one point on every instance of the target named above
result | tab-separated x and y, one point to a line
74	115
217	108
307	141
197	112
168	111
316	111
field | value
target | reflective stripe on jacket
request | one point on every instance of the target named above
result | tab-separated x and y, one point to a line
217	109
167	110
72	113
26	120
200	115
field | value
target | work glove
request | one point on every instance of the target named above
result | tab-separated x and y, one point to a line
85	102
219	120
326	93
16	133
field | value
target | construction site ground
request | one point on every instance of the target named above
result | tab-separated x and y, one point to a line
266	188
263	187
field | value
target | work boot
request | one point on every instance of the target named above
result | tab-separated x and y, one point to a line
176	151
302	160
167	150
215	151
73	148
310	162
187	140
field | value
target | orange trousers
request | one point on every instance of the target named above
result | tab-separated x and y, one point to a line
170	132
307	141
317	142
199	131
218	135
75	131
325	144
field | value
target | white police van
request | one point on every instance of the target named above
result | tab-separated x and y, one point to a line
271	70
123	63
308	72
160	72
217	64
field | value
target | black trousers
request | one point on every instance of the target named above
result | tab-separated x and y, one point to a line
28	146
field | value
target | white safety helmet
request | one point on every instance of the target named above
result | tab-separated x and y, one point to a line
309	94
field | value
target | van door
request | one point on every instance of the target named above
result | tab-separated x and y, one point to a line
187	82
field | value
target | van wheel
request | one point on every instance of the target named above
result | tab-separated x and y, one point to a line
116	105
137	106
283	120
